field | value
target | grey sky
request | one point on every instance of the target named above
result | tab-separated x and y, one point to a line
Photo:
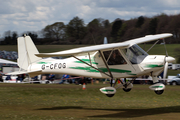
34	15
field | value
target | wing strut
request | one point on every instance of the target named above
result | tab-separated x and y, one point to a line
90	58
109	75
92	66
152	46
106	65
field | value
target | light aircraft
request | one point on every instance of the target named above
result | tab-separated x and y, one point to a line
115	60
3	61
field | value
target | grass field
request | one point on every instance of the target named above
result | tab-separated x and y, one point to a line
70	102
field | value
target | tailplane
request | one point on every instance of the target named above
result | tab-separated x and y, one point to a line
26	52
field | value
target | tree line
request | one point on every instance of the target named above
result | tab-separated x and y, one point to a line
77	32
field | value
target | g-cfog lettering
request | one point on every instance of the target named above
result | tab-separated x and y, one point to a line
54	66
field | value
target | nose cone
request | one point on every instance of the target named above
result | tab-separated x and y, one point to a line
170	59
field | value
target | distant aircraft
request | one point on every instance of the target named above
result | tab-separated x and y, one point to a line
115	60
3	61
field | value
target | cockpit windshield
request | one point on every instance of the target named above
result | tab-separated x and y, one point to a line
135	54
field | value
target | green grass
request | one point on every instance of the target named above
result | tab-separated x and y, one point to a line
156	50
61	102
173	72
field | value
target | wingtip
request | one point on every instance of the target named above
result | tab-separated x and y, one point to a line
164	34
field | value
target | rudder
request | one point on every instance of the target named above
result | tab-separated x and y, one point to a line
26	51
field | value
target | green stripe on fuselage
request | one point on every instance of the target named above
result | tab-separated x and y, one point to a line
86	60
90	69
43	62
153	66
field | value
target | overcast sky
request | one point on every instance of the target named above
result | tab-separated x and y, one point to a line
34	15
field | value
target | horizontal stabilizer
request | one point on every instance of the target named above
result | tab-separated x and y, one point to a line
17	73
31	73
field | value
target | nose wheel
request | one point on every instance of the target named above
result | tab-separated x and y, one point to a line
127	89
158	88
159	92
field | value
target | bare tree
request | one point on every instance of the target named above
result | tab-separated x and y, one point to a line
55	31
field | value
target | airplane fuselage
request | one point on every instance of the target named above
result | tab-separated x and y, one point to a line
72	66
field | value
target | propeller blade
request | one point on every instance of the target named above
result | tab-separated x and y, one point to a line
165	70
166	62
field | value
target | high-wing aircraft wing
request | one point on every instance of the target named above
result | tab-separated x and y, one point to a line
83	49
105	46
149	38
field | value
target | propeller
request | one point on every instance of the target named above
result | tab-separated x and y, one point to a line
165	70
165	62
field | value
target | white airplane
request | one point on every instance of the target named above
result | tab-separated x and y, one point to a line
3	61
115	60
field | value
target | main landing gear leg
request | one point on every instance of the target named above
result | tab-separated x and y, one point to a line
127	85
111	82
126	89
109	94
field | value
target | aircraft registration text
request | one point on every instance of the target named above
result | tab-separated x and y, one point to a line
54	66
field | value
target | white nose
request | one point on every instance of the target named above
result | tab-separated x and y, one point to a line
170	59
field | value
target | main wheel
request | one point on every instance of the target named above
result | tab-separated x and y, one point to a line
159	92
127	89
110	95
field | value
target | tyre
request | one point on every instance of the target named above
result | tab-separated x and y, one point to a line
127	89
110	95
159	92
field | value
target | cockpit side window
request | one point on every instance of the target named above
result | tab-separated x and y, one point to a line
135	54
114	57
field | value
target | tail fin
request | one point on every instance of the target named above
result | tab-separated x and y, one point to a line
26	51
105	40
